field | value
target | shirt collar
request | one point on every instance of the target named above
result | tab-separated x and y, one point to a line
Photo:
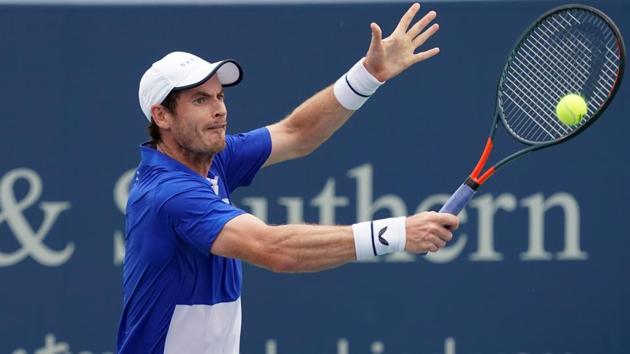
152	157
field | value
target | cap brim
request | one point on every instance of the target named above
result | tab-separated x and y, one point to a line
229	72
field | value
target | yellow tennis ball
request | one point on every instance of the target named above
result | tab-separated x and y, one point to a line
571	109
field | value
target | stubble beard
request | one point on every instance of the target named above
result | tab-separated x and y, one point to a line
194	145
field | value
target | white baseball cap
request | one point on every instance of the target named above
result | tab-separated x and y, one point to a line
179	71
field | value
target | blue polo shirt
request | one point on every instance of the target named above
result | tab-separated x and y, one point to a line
177	296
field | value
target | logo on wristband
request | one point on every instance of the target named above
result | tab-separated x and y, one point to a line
382	239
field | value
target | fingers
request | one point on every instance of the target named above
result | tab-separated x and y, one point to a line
395	53
422	56
434	244
404	22
436	241
377	35
419	26
418	41
431	244
444	234
430	231
449	221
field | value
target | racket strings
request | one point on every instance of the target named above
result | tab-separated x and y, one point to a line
608	60
551	75
571	51
538	76
566	52
540	103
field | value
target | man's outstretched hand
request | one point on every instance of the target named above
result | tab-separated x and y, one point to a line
386	58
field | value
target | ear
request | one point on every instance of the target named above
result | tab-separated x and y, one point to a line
161	116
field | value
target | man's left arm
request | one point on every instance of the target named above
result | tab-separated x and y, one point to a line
315	120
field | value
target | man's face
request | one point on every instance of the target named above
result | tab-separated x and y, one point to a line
200	118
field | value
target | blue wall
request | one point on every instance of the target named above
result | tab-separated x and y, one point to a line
520	278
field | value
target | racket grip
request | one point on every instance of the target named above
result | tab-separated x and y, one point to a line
459	199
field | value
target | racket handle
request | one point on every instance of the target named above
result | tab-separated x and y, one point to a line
460	198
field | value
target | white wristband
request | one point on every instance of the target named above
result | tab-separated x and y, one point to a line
378	237
355	87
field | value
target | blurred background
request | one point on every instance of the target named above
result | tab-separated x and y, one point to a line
540	261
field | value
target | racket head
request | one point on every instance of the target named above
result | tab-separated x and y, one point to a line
571	49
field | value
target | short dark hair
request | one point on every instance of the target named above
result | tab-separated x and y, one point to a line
170	103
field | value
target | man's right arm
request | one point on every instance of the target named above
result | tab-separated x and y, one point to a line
311	248
315	120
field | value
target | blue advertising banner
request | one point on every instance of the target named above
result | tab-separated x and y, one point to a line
537	266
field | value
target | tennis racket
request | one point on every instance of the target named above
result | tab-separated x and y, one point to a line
572	49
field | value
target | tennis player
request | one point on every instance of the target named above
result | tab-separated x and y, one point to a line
185	242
